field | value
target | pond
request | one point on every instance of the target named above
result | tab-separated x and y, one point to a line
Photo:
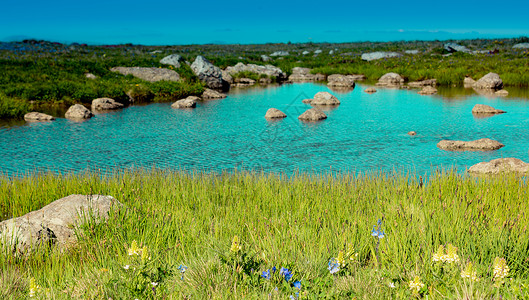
367	132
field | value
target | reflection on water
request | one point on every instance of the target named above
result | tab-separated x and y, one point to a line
366	132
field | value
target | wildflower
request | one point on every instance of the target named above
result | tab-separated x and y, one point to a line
235	246
103	270
183	270
438	256
34	288
501	270
297	284
274	269
374	232
286	273
392	285
341	259
266	274
126	267
145	254
416	285
334	266
134	250
469	272
154	284
451	254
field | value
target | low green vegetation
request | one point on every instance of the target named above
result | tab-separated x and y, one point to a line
255	236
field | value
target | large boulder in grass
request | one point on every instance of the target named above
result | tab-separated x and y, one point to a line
390	79
379	55
188	102
312	114
339	80
208	73
521	46
148	74
477	145
491	81
37	117
324	98
173	60
78	112
105	104
274	113
486	109
267	70
500	165
55	223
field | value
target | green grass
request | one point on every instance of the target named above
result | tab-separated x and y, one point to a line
298	222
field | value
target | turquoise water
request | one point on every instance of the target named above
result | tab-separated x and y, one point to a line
365	133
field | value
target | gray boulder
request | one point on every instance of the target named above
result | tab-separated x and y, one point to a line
411	52
78	112
303	75
55	223
486	109
227	77
188	102
453	47
173	60
521	46
317	51
212	94
268	70
324	98
477	145
500	165
37	117
208	73
390	79
265	58
379	55
148	74
274	113
90	76
491	81
305	52
280	53
105	104
339	80
312	114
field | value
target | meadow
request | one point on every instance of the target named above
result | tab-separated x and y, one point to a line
254	235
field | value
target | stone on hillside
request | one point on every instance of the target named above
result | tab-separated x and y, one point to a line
188	102
423	83
390	79
279	53
324	98
90	76
491	81
340	80
411	51
105	104
55	223
305	52
265	58
37	117
208	73
312	114
370	90
274	113
212	94
428	90
148	74
521	46
78	112
500	165
268	70
477	145
317	51
173	60
379	55
486	109
331	52
453	47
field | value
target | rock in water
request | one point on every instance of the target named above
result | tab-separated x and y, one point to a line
173	60
78	112
274	113
55	223
212	94
390	79
312	114
477	145
37	117
188	102
339	80
486	109
428	90
500	165
502	93
303	75
423	83
468	82
324	98
370	90
148	74
105	103
208	73
491	81
378	55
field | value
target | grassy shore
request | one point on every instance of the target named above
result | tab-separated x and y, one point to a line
184	226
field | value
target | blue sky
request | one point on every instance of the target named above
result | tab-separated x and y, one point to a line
159	22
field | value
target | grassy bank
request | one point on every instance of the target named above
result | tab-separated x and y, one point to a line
184	226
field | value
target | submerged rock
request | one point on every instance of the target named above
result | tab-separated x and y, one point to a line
486	109
339	80
312	114
491	81
105	104
274	113
56	222
188	102
148	74
173	60
477	145
244	81
78	112
428	90
390	79
370	90
212	94
468	82
379	55
502	93
500	165
37	117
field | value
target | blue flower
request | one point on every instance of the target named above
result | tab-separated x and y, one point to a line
274	269
266	274
374	232
334	266
288	276
283	271
286	273
381	234
297	284
182	269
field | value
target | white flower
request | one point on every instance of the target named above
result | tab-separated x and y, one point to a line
392	284
126	267
154	284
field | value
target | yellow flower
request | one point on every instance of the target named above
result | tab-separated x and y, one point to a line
341	259
235	246
416	285
501	270
438	256
469	272
145	254
34	288
134	250
103	270
451	254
